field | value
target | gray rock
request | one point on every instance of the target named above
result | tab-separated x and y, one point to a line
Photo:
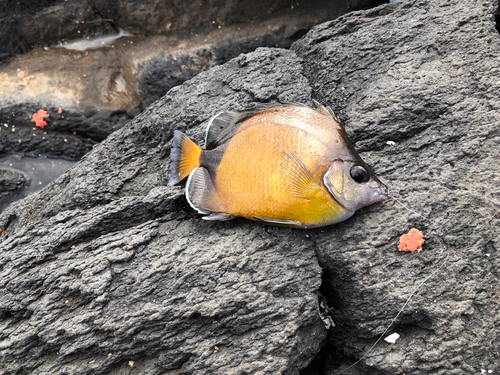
11	180
425	75
107	265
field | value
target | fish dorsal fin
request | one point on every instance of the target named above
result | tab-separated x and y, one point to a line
295	176
325	110
224	125
221	127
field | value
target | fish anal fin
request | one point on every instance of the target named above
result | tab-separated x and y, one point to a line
200	193
184	157
296	178
288	223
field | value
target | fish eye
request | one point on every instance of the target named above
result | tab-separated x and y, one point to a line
359	174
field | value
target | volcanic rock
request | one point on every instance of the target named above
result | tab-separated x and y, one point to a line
108	270
416	85
11	180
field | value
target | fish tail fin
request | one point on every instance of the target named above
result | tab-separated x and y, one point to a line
184	158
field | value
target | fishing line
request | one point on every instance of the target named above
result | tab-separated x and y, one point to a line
401	203
398	314
445	259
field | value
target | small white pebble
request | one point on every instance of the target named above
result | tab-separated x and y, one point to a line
487	255
391	143
391	339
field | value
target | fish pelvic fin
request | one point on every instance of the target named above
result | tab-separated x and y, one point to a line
285	223
184	158
201	195
296	178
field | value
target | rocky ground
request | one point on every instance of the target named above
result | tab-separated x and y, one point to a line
107	270
94	65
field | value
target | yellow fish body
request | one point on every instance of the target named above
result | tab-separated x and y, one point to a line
285	164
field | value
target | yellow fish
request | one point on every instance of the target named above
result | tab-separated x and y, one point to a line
286	164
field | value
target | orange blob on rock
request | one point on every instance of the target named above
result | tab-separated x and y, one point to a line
38	118
411	241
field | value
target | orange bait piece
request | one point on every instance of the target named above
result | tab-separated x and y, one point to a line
38	118
411	241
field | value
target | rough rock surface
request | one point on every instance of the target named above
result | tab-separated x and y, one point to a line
108	266
425	75
11	180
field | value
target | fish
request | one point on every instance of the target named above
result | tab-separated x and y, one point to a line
281	164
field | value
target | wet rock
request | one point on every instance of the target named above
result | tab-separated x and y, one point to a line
151	17
165	71
116	80
416	84
36	141
11	180
124	274
26	25
38	171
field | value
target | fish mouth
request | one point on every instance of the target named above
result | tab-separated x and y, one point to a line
382	192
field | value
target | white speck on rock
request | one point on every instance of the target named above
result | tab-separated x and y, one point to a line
391	339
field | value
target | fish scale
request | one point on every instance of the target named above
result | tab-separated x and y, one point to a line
258	178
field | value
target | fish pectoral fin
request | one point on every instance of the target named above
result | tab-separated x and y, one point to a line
296	178
221	216
200	192
289	223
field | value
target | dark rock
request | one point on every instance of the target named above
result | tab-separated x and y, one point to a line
108	265
11	180
425	75
122	269
163	72
36	141
25	25
151	17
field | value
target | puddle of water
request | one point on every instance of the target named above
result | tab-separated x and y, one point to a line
41	171
90	43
